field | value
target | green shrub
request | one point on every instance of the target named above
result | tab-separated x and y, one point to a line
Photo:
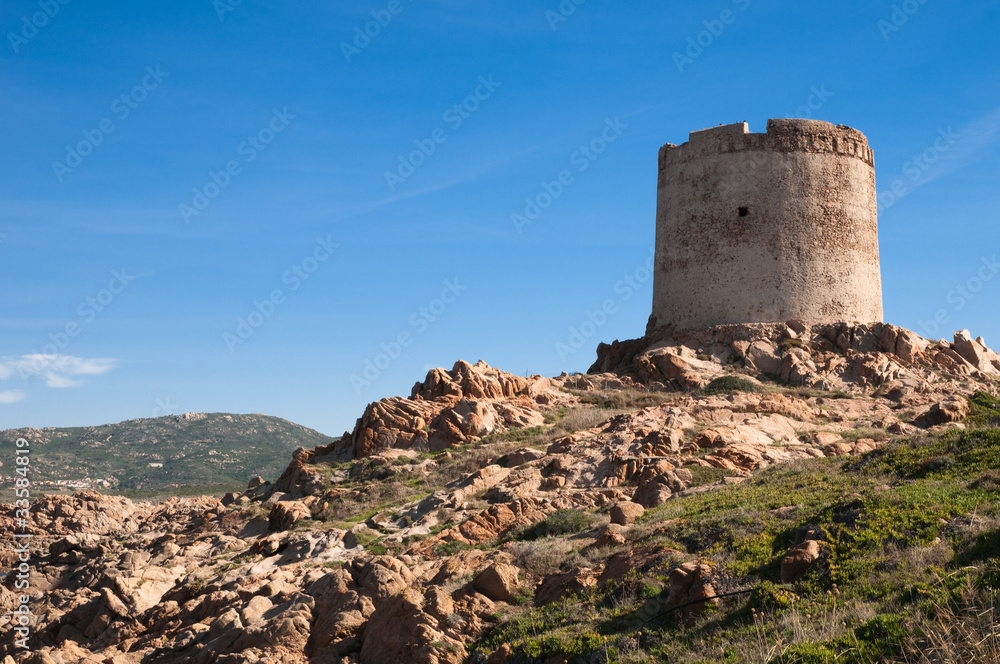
560	522
880	637
730	384
649	589
790	343
450	548
768	596
806	653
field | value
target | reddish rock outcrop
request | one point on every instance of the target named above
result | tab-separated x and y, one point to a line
284	514
799	560
690	590
625	513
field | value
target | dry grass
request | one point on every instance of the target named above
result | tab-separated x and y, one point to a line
584	417
966	635
541	557
627	400
805	622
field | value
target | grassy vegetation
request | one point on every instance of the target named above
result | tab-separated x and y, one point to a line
702	475
910	570
808	392
984	410
619	401
370	540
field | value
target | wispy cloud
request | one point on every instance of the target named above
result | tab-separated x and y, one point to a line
981	133
57	370
11	396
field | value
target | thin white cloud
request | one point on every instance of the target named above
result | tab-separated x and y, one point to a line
11	396
56	380
56	370
973	138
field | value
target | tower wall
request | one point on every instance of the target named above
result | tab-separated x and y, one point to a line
755	228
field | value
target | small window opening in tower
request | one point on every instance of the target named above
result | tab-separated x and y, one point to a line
744	211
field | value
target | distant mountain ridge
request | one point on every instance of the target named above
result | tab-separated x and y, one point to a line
162	453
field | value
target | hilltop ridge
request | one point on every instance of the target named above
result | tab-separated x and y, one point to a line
201	452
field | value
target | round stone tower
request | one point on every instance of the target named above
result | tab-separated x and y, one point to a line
758	228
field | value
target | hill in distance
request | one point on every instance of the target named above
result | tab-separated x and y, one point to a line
193	452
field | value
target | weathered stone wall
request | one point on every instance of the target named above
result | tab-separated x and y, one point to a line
754	228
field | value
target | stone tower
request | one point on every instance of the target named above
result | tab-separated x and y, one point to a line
756	228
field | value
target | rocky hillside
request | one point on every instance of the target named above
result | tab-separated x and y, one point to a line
194	450
766	493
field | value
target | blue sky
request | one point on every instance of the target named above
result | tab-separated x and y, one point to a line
170	170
